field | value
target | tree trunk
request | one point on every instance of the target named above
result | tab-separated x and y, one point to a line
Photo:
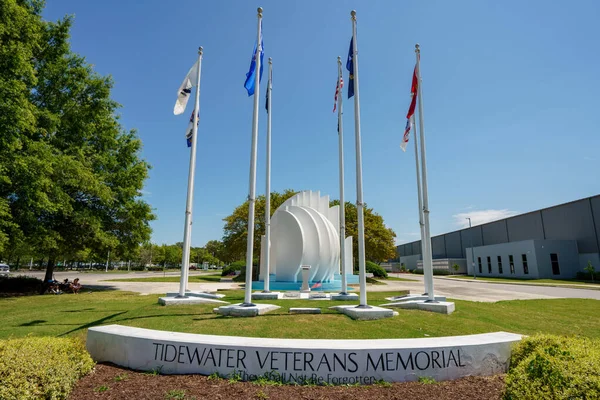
50	268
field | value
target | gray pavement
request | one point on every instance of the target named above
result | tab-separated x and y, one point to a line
451	288
486	291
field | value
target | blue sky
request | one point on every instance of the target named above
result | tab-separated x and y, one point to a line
510	94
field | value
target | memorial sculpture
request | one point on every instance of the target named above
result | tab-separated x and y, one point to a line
305	231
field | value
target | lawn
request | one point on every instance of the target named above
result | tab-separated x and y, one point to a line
544	282
71	315
191	278
394	278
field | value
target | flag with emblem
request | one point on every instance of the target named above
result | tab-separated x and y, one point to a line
350	68
185	90
251	74
189	133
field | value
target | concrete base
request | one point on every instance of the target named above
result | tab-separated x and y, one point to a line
411	297
265	296
442	307
175	301
237	310
345	297
361	314
305	310
206	295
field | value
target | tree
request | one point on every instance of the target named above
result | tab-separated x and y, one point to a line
379	240
73	177
235	232
590	269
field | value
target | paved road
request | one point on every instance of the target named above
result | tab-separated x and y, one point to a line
486	291
455	289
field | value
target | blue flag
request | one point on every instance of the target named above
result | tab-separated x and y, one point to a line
350	68
251	75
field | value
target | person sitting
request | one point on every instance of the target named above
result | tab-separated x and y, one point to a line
52	286
75	286
65	285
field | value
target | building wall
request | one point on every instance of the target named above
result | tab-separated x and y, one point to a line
568	258
454	245
410	262
516	249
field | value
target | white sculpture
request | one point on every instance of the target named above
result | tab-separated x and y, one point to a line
305	231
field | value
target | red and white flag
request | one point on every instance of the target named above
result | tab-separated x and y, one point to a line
338	88
414	89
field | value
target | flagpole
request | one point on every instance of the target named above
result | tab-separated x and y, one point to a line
266	288
252	183
419	193
359	189
427	256
344	289
187	230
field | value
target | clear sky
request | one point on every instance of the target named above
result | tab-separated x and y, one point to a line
510	92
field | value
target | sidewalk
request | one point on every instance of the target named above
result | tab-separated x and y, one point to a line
531	282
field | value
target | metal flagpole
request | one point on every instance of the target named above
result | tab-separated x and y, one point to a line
268	186
359	191
419	194
187	230
252	184
342	201
427	257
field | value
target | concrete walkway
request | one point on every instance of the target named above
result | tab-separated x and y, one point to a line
460	289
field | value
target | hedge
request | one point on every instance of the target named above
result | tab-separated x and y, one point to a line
41	367
554	367
376	270
20	284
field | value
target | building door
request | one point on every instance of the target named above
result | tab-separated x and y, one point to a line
555	266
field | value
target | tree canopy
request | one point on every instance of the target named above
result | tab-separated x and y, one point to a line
70	175
379	240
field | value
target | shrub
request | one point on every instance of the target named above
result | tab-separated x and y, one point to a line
553	367
234	266
20	284
376	270
586	276
41	368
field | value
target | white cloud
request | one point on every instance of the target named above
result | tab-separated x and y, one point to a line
481	217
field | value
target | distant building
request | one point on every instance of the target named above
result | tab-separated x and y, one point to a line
554	242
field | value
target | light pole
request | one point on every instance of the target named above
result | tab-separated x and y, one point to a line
472	251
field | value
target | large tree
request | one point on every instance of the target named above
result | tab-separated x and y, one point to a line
75	176
379	240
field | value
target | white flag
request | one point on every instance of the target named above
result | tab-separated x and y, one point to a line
185	90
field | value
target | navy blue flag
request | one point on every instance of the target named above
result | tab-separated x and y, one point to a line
251	75
350	68
267	101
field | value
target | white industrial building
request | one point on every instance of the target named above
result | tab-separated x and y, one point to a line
555	242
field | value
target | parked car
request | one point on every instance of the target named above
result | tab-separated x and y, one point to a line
4	270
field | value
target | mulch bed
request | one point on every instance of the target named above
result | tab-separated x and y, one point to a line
111	382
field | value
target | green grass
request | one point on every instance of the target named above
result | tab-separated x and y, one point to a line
192	278
393	278
544	282
71	315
